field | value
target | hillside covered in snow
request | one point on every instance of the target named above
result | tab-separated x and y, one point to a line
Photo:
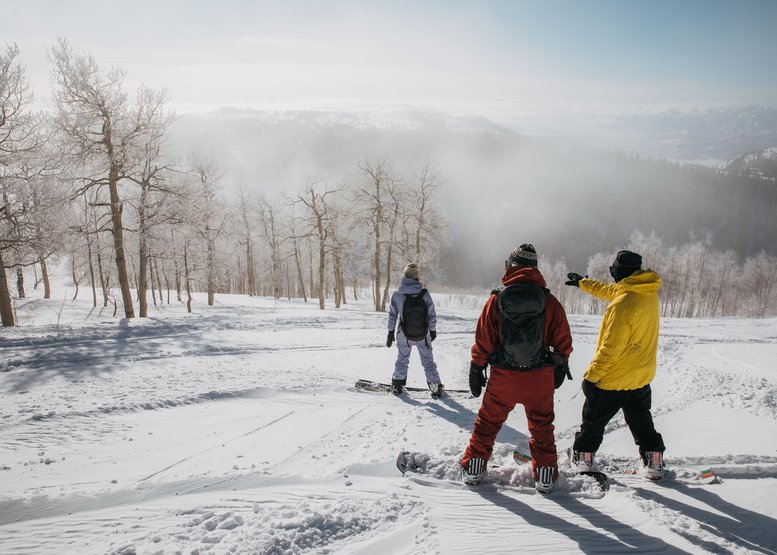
237	429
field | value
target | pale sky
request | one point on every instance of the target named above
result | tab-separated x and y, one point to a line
479	57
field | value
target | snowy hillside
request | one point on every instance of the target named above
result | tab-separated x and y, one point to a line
237	429
762	163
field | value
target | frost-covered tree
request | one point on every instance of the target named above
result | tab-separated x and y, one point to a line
103	132
758	281
317	221
21	165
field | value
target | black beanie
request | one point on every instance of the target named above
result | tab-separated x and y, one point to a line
525	255
626	263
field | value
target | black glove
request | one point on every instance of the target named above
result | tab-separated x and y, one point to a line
433	333
477	378
574	279
390	339
560	373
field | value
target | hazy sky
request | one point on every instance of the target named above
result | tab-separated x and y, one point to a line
469	56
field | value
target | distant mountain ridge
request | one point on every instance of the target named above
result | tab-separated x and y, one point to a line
761	163
710	136
387	119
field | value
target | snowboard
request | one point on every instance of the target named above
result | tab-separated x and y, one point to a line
377	387
601	478
625	469
423	469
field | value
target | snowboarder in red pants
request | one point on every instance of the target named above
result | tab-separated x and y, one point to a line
522	332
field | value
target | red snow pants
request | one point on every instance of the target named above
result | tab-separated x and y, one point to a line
505	389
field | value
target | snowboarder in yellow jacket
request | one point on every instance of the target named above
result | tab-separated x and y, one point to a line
619	376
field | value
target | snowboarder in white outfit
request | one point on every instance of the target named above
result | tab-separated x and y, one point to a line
413	309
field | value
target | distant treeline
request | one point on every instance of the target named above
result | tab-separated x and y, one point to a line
696	280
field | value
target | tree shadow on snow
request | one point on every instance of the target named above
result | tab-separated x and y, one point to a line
740	526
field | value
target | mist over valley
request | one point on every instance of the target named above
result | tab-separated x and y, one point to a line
500	187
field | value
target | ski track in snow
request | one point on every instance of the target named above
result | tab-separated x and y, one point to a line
238	430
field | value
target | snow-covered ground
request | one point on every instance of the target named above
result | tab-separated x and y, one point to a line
237	429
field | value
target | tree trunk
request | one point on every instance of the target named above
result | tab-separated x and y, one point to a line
187	280
151	280
211	272
177	283
335	272
143	270
158	281
20	282
376	268
118	242
6	308
103	278
384	297
76	281
311	284
91	273
299	270
321	267
250	275
167	285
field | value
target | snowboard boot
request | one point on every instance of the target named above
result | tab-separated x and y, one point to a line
654	464
397	386
544	482
583	461
436	389
473	471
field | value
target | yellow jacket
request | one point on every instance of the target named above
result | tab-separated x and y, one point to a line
628	338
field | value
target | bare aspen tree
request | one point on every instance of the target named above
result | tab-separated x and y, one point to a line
90	261
372	198
148	172
18	140
423	228
393	214
727	262
759	280
52	216
248	241
268	216
101	130
297	259
338	238
429	224
185	239
317	222
211	222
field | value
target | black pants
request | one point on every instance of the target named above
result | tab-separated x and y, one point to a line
601	405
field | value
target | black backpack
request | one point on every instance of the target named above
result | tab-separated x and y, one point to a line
522	307
414	315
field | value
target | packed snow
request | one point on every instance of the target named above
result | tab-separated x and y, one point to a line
237	429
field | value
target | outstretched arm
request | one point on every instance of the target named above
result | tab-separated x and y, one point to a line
599	289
